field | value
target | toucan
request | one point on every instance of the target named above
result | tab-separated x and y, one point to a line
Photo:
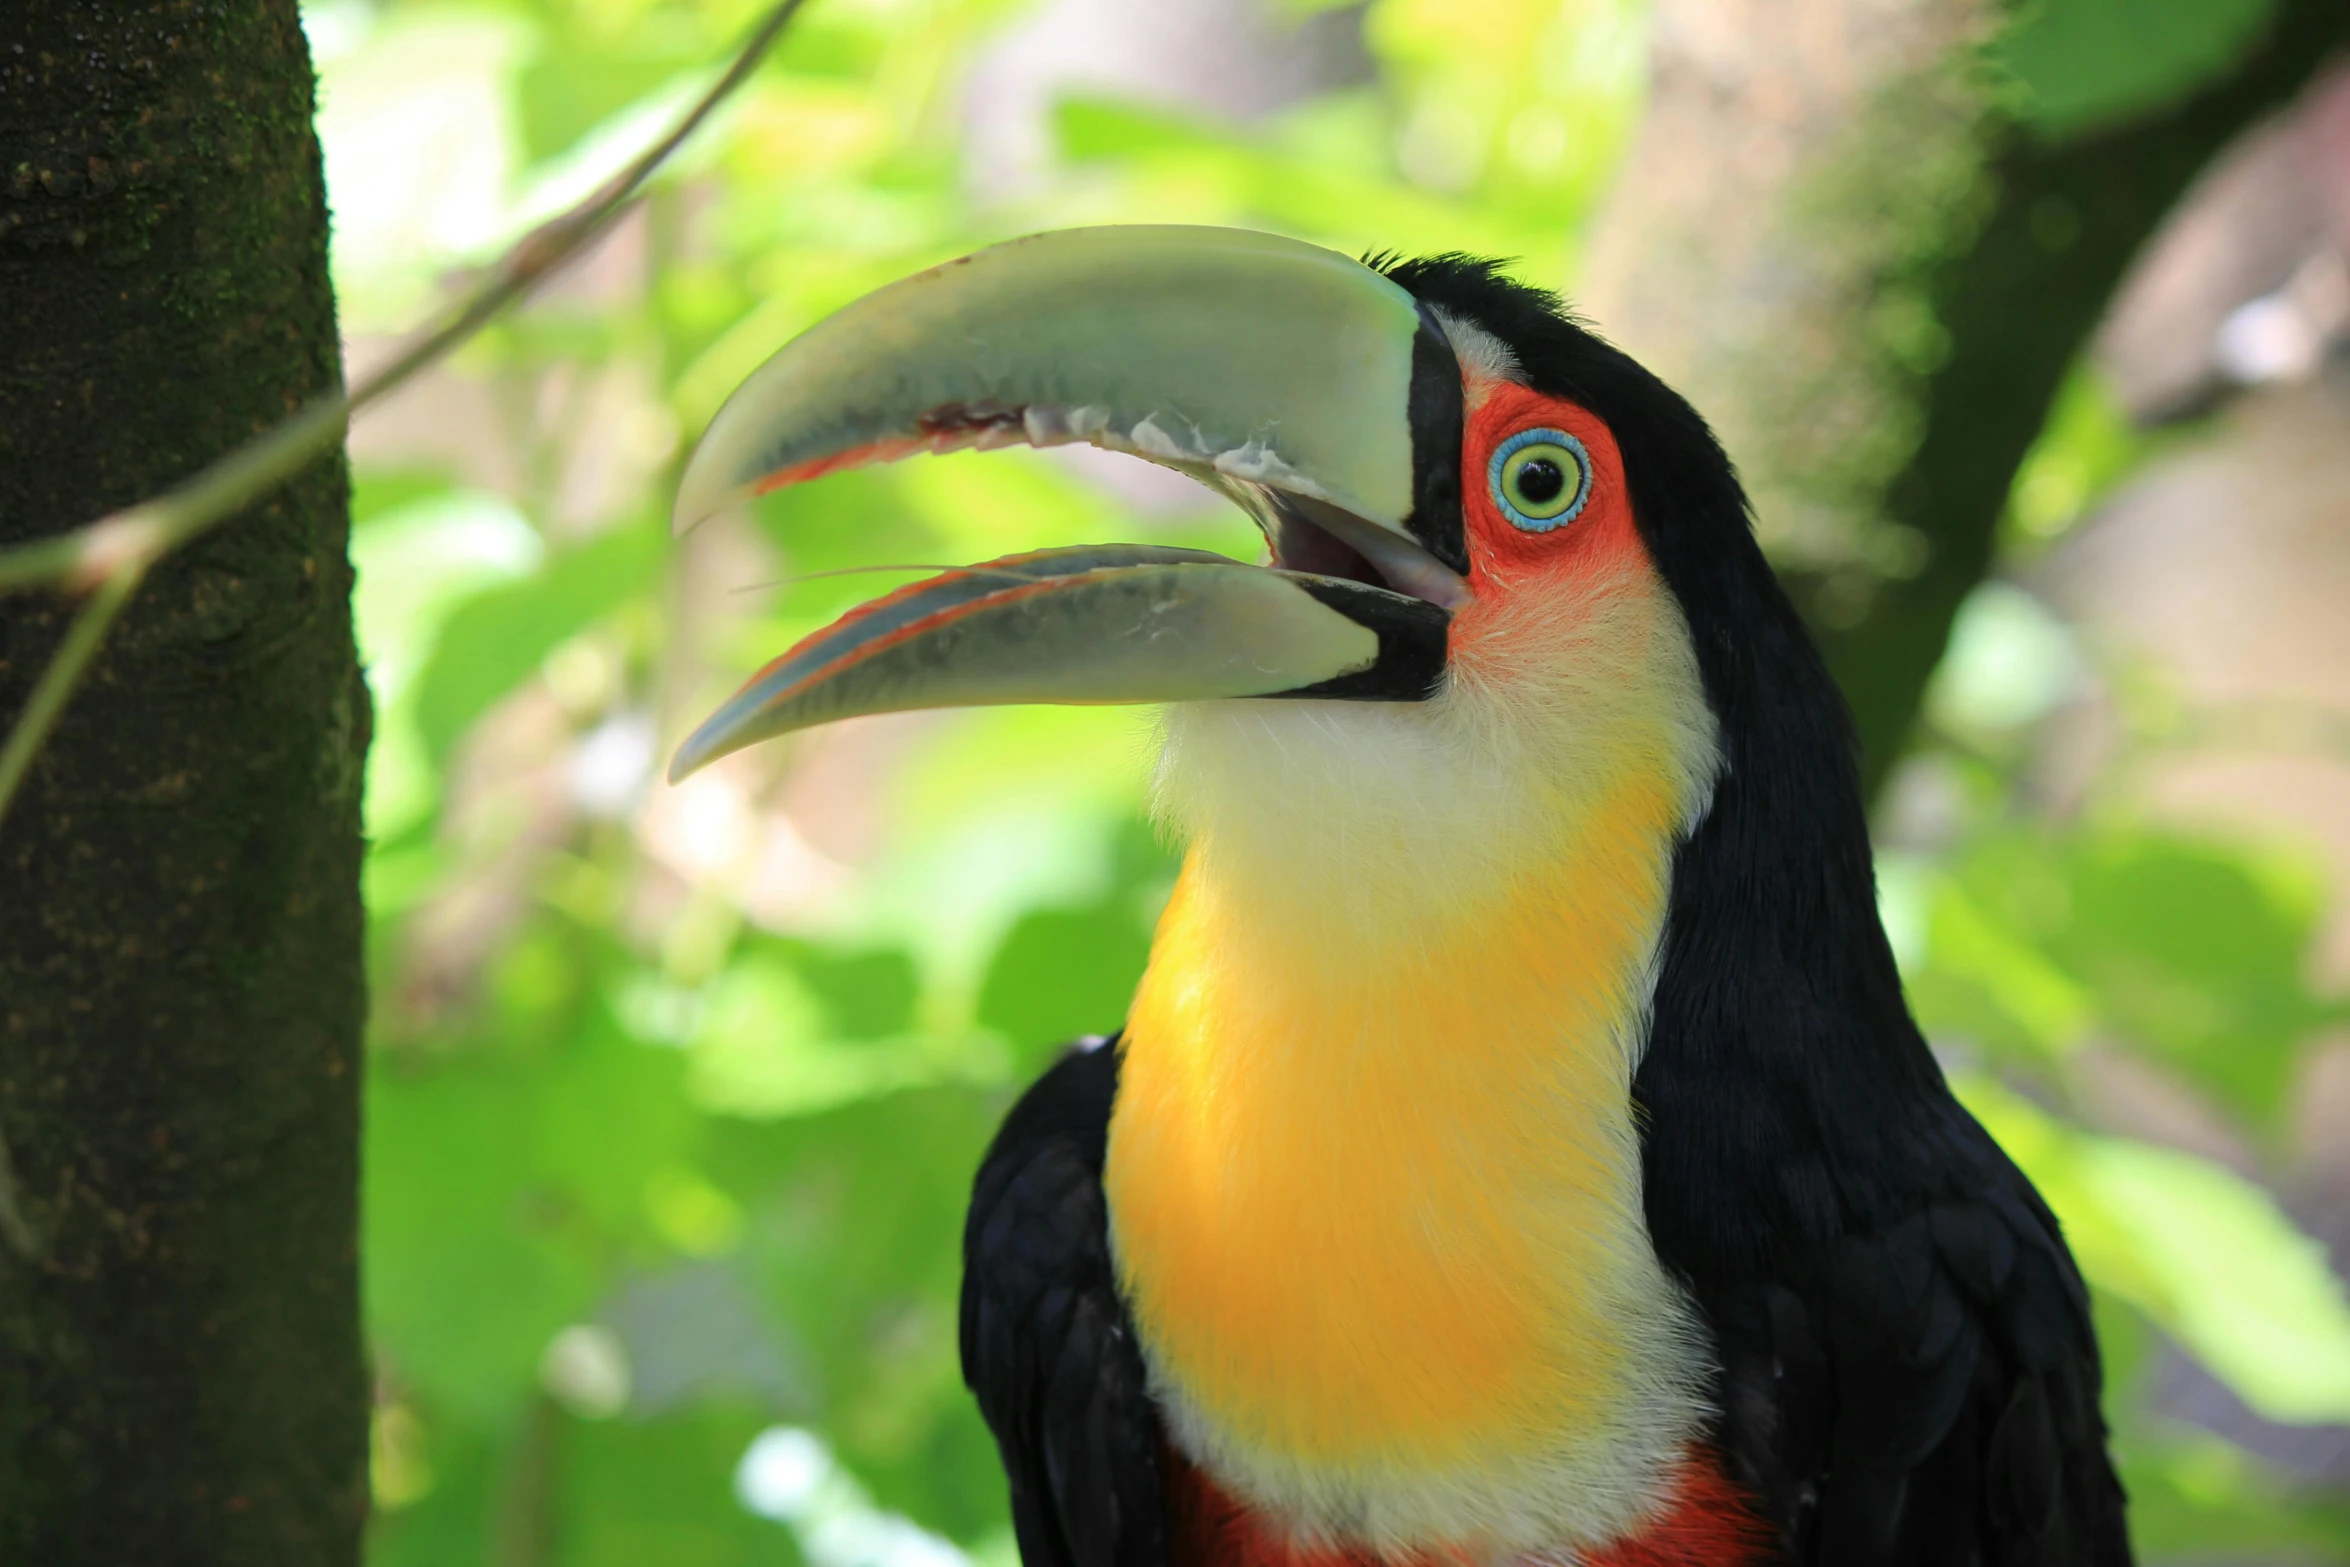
1518	1151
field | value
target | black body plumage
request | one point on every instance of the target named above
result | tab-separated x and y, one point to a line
1047	1347
1907	1372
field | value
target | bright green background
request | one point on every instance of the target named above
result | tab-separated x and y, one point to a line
657	1163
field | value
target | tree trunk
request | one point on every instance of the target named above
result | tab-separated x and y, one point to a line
1832	236
181	995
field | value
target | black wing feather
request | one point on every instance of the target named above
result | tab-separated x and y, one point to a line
1047	1347
1924	1393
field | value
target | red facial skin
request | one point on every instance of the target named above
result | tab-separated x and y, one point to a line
1503	555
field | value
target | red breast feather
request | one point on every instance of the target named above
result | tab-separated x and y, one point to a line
1710	1524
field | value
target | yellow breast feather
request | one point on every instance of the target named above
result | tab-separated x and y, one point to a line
1373	1172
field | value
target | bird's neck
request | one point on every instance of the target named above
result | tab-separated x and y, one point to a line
1373	1171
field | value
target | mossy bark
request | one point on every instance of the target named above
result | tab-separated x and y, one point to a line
182	1377
1837	240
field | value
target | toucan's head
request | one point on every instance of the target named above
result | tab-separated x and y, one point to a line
1506	565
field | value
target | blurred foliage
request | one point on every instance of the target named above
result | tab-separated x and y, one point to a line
2050	934
675	1093
2085	65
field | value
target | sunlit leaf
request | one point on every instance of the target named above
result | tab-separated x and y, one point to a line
576	84
765	1049
2190	950
637	1492
418	129
1061	973
502	1183
867	994
2087	444
1989	983
2199	952
416	561
2194	1497
2010	661
572	175
490	643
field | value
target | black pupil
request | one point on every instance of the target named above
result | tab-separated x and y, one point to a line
1540	481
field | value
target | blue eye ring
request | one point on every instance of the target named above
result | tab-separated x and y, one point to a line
1510	460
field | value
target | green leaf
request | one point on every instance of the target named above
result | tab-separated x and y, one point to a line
854	523
866	994
1064	972
2010	662
494	641
464	1465
2196	1497
568	90
855	1231
2087	446
2088	63
1094	128
2191	950
503	1185
2251	1294
765	1048
421	552
634	1493
1060	973
382	492
417	561
1990	983
2197	952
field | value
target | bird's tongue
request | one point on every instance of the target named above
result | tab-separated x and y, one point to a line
1097	623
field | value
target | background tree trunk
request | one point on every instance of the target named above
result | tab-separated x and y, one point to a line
181	992
1834	236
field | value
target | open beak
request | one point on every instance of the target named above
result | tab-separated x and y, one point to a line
1307	387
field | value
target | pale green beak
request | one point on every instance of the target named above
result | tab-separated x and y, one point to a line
1288	377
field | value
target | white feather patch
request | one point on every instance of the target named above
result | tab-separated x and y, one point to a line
1484	358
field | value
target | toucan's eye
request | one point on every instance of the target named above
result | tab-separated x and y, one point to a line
1540	479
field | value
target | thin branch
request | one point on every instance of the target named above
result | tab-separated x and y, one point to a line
32	726
65	671
16	1227
111	556
133	539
